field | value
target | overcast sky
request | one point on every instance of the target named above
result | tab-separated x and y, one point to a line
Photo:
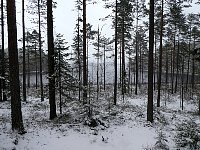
65	18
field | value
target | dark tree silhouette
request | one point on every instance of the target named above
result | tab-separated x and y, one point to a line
150	63
16	113
85	82
51	63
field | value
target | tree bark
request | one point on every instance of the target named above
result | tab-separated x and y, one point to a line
150	63
115	83
123	58
3	55
51	60
40	51
85	82
160	56
16	113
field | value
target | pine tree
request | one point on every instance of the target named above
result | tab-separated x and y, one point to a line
124	25
160	54
16	113
150	63
3	53
51	61
24	52
65	82
78	55
116	39
85	81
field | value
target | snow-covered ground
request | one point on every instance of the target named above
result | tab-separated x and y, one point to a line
123	127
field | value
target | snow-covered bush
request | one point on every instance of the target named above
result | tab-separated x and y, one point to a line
187	135
161	142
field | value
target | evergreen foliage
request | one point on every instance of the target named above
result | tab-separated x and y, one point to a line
187	135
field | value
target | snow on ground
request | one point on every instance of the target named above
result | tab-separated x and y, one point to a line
123	127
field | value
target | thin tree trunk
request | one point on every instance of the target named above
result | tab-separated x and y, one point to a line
160	56
188	64
40	51
139	48
60	81
177	67
193	67
79	61
85	82
104	66
136	52
2	53
36	68
166	72
123	59
28	68
120	64
51	60
182	85
16	113
115	82
1	80
173	63
98	55
24	52
136	65
155	64
129	73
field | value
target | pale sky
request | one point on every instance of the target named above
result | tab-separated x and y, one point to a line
65	18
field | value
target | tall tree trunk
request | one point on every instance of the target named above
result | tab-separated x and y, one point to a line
177	67
188	69
182	84
36	68
136	52
142	68
24	52
173	64
16	113
51	60
115	83
1	59
85	82
104	66
188	63
140	51
193	66
40	51
79	60
2	55
150	63
123	58
160	56
28	69
155	64
120	64
59	80
166	72
129	73
98	55
136	65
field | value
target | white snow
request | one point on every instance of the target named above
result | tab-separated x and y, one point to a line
127	130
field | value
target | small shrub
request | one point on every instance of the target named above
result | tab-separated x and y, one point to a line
161	142
187	135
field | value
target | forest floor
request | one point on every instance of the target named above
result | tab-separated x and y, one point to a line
121	127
